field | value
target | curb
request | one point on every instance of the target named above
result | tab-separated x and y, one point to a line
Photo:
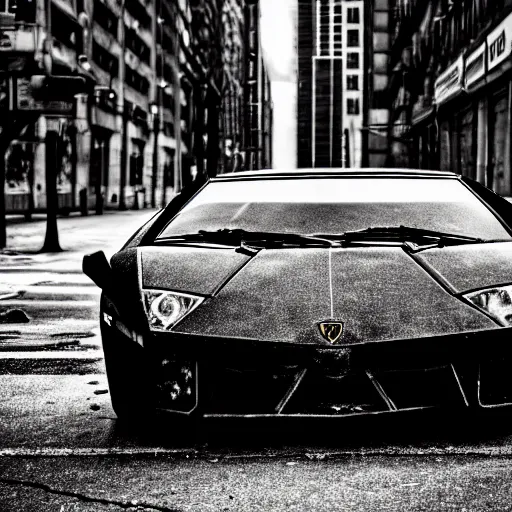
18	341
60	346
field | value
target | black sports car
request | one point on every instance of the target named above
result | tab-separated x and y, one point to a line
318	293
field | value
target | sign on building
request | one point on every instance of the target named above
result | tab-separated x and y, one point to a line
449	83
499	43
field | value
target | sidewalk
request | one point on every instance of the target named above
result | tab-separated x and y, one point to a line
78	236
46	302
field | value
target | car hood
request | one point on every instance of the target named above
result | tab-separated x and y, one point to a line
281	295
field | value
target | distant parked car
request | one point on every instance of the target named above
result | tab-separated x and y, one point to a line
312	293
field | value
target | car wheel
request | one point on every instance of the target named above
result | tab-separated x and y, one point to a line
128	379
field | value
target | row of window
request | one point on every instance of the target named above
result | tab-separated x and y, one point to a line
138	82
137	45
324	10
110	64
329	22
330	43
105	60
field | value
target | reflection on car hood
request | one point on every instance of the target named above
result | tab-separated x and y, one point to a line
379	293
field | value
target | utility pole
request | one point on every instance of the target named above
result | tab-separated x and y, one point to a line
156	130
124	115
51	240
177	114
99	181
155	106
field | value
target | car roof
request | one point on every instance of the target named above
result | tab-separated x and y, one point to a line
334	172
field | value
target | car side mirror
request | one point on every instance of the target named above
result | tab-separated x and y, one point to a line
97	268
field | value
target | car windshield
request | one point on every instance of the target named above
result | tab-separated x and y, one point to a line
336	205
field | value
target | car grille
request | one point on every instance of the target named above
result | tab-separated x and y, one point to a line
302	390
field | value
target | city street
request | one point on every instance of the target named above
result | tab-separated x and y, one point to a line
329	299
62	449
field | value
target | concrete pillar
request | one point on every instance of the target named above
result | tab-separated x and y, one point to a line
284	129
482	141
278	32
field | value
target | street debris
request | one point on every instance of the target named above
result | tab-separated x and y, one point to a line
316	456
13	316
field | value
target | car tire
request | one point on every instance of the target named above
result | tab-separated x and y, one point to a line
128	379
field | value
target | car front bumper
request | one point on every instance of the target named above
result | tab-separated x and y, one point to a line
226	378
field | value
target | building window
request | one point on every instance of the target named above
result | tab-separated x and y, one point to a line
105	60
352	38
353	15
353	106
352	83
63	30
8	6
353	60
137	45
136	81
105	17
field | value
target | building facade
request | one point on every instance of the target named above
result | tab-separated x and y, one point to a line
377	104
246	97
152	114
452	88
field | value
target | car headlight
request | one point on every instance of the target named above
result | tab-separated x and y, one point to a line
496	302
166	309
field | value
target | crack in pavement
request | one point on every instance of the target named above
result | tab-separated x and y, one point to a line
138	505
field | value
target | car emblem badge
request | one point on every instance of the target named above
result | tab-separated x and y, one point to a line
331	331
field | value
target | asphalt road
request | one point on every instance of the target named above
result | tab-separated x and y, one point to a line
62	448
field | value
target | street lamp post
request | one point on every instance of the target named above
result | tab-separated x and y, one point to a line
51	240
155	112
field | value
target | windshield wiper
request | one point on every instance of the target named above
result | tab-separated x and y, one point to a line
415	238
250	239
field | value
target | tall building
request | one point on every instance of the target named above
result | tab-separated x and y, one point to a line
246	100
332	56
451	88
377	103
